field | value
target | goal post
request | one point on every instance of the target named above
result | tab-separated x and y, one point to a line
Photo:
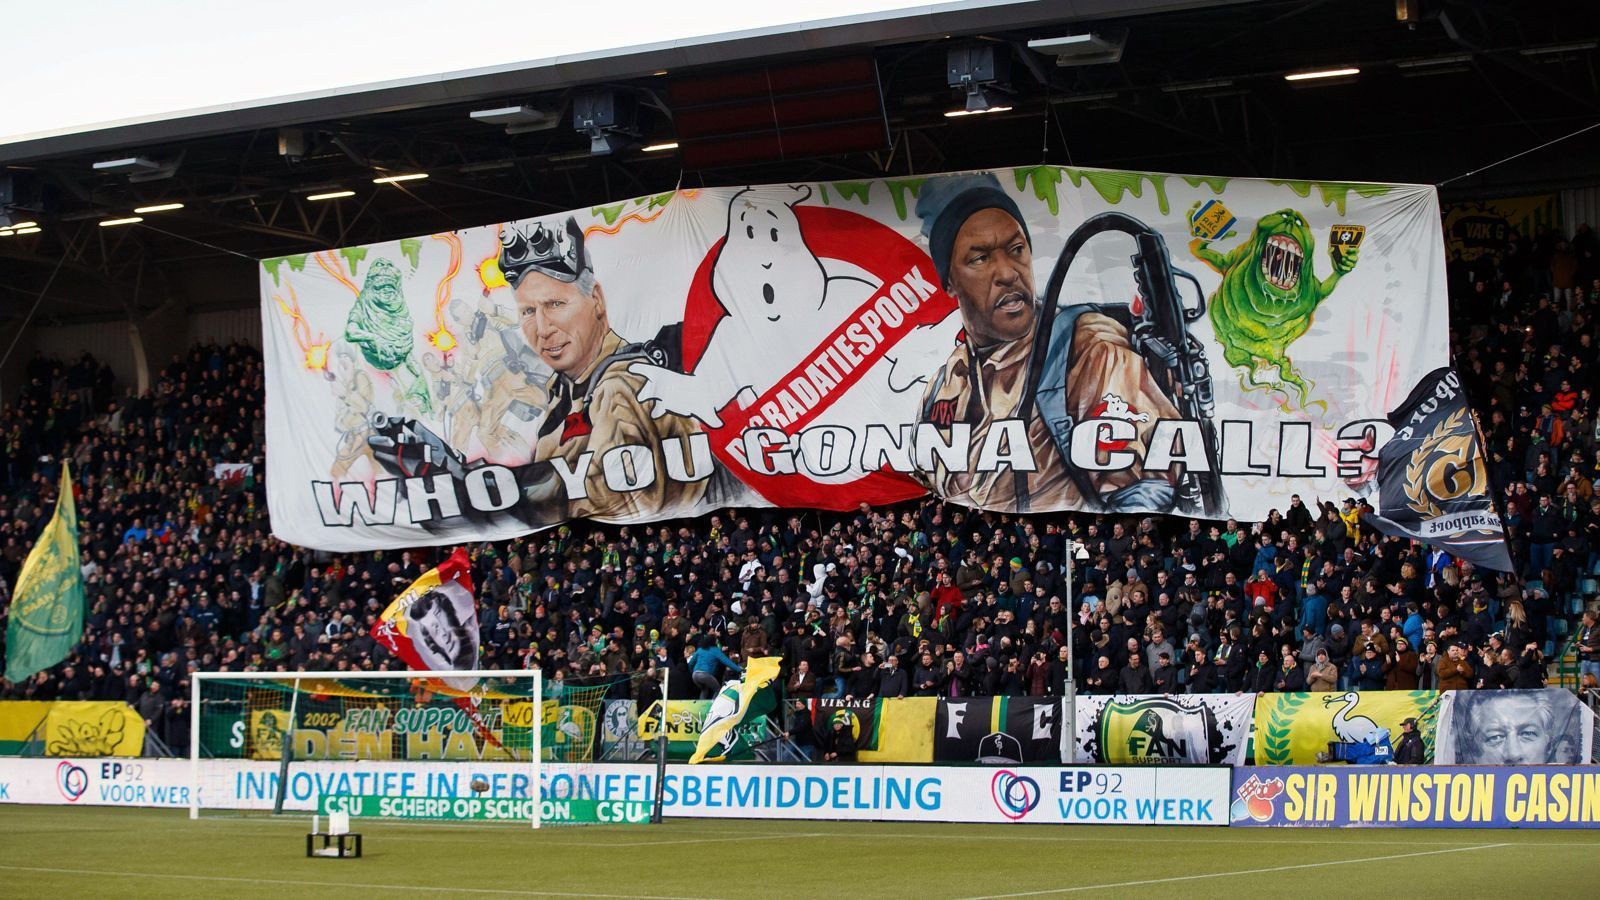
288	741
474	744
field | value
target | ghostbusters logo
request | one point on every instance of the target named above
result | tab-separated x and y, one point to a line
1112	406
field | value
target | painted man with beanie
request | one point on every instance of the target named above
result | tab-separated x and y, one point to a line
981	248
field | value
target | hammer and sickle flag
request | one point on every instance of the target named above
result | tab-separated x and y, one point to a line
1432	482
47	606
738	707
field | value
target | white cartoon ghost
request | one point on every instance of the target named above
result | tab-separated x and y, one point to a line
1118	408
774	289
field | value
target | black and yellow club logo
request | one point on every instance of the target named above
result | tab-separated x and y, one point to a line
1445	468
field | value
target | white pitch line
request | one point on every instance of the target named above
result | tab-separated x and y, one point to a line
1177	878
360	885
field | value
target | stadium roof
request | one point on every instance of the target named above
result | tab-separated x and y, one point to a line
1199	86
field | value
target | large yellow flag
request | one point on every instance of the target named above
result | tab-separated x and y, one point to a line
47	606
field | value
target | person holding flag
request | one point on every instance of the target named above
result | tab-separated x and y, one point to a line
433	624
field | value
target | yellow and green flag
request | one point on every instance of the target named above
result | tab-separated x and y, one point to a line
47	605
738	712
1292	728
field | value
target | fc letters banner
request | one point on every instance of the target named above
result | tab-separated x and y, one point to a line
1417	796
1148	342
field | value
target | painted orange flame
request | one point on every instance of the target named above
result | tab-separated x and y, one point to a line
330	264
316	352
441	336
609	230
489	274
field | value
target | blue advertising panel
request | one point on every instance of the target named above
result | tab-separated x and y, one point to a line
1417	796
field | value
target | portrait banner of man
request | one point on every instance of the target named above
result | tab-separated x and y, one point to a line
1514	728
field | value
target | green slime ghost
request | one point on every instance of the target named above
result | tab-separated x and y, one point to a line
380	325
1268	293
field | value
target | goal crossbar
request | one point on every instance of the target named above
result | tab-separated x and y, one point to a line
198	679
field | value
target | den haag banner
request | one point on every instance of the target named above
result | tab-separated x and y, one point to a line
1032	339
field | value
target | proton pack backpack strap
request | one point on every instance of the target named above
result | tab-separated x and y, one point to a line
1050	400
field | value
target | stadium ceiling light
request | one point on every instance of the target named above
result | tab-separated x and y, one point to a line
159	207
395	179
658	148
331	195
126	220
1197	86
1551	49
34	230
1434	61
1322	73
1085	98
957	113
18	226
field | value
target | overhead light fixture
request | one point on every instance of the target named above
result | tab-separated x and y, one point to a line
1197	86
126	165
1434	61
396	179
979	72
658	148
1093	49
126	220
492	165
32	230
518	119
1322	73
957	113
160	207
331	195
139	168
608	117
1085	98
1551	49
18	226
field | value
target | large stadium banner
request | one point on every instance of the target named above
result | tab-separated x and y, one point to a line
1548	726
1035	339
1184	729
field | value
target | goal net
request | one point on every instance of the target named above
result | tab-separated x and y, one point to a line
475	745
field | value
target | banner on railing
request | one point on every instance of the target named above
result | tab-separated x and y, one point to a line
1031	339
70	728
1534	727
1164	729
1291	729
1417	796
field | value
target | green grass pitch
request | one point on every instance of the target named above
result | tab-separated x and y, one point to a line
54	852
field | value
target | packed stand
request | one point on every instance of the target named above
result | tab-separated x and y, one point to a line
918	600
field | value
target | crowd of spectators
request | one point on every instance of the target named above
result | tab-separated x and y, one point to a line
922	599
